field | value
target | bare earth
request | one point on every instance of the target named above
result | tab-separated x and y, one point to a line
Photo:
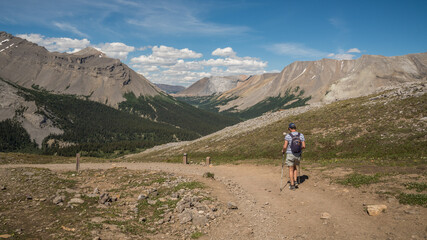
266	213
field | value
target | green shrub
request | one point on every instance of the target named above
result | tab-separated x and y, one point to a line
419	187
413	199
209	175
357	180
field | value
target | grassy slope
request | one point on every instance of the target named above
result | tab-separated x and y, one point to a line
166	109
358	130
292	98
98	129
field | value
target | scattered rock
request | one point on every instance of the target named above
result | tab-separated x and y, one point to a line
105	199
96	238
411	211
96	191
175	195
29	197
76	201
185	217
3	188
97	219
325	215
142	219
231	205
160	222
58	199
68	229
151	202
29	174
199	220
374	210
142	197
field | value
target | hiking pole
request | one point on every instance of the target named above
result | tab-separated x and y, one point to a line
299	170
281	177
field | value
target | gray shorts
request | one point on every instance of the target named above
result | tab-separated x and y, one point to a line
292	160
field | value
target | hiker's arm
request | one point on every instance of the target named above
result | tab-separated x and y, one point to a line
303	144
285	146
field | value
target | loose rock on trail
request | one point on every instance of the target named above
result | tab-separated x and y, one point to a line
299	214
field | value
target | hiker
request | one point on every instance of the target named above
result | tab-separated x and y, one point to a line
294	144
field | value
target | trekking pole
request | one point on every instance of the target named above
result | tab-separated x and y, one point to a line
299	170
281	177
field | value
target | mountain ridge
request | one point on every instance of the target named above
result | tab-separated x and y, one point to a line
88	72
326	80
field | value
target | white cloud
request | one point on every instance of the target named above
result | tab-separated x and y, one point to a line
173	53
152	61
298	50
116	49
354	50
70	28
56	44
113	50
295	50
341	56
224	52
168	65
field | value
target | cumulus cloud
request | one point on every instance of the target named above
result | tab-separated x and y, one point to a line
56	44
354	50
298	50
113	50
116	49
173	68
173	53
341	56
224	52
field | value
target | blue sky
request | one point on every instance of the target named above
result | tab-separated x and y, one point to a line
180	41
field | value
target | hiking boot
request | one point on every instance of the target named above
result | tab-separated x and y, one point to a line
296	183
292	187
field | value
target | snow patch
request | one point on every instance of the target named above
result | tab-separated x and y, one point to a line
6	40
300	73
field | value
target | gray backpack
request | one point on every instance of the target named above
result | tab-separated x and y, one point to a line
296	143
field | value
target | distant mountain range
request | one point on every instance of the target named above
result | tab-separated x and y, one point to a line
324	80
212	85
170	88
88	102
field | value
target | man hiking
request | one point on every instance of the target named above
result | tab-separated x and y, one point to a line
294	144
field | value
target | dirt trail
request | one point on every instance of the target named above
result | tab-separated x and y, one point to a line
266	213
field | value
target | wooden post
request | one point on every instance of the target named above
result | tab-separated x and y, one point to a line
185	159
77	162
208	161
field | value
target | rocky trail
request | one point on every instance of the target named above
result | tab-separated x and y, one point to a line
319	209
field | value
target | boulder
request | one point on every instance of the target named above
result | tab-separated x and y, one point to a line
231	205
142	197
76	201
58	199
325	215
185	217
199	220
374	210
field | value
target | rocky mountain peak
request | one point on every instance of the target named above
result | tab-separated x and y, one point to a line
89	51
88	72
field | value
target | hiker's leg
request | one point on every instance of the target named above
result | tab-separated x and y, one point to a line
296	173
296	169
291	175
